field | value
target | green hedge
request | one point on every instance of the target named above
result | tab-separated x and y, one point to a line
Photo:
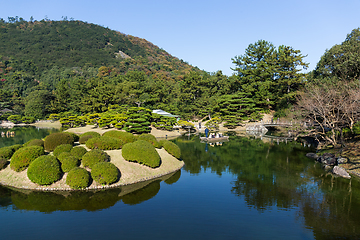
150	138
44	170
6	152
104	143
78	178
126	137
75	136
141	152
83	139
63	155
55	139
62	148
69	162
24	156
94	156
105	173
3	163
34	142
78	151
171	148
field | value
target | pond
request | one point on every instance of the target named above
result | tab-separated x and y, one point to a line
241	189
23	134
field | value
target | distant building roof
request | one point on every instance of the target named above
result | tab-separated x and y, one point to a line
163	113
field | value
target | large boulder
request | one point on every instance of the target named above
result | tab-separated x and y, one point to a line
341	172
327	159
312	155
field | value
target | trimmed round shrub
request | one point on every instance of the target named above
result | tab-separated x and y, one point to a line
3	163
34	142
94	156
74	135
69	162
141	152
126	137
63	155
171	148
78	151
83	139
6	152
24	156
78	178
149	138
55	139
44	170
105	173
16	147
62	148
104	143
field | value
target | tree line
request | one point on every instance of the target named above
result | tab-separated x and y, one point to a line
266	78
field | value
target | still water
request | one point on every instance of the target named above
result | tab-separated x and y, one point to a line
242	189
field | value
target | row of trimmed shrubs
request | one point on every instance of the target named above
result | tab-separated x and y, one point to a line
47	169
139	149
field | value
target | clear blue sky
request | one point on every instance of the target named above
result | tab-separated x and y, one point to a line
207	34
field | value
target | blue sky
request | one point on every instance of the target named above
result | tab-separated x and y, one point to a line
207	34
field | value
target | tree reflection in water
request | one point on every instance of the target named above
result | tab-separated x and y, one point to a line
279	175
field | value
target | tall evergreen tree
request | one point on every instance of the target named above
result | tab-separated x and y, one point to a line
288	74
268	74
256	72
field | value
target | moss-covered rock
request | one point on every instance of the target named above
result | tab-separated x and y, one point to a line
24	156
55	139
105	173
62	148
126	137
171	148
78	178
141	152
104	143
149	138
44	170
78	151
94	156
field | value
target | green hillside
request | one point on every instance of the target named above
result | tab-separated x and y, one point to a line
36	46
78	68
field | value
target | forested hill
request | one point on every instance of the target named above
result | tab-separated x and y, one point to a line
36	46
73	67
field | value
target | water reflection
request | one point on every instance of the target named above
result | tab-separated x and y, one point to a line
79	200
272	175
24	134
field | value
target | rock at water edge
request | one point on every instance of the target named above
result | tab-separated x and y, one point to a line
341	172
312	155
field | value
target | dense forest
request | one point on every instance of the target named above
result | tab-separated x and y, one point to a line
73	68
